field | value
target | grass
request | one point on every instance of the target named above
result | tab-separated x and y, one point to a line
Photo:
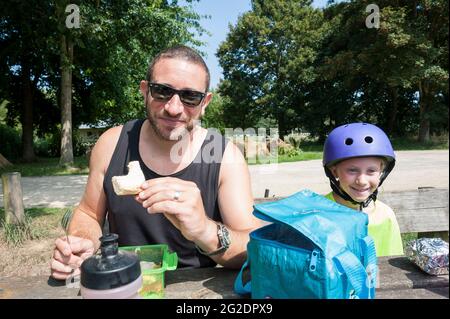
49	167
411	144
40	223
302	156
408	237
399	144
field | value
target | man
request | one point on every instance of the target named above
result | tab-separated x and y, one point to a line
200	206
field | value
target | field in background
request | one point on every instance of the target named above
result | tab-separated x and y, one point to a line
295	147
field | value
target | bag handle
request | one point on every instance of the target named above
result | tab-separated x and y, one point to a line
239	287
350	265
370	262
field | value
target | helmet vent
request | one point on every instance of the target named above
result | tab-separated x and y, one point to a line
368	139
348	141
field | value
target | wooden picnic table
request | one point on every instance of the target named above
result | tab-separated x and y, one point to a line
399	279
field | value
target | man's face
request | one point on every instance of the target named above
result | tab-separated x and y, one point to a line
172	119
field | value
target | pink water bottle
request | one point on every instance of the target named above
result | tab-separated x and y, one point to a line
112	275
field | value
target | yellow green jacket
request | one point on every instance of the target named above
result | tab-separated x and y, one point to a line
383	228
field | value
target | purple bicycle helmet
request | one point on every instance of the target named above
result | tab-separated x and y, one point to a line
356	140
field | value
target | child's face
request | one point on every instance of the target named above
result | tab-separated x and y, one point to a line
359	177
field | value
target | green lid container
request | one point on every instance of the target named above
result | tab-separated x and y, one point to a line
154	261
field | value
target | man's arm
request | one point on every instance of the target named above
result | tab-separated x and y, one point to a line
84	229
90	213
181	202
236	206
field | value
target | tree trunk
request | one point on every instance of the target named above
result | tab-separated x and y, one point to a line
66	100
4	162
393	111
27	119
424	106
281	125
13	198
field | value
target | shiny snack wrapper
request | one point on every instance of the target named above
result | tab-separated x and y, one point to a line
430	254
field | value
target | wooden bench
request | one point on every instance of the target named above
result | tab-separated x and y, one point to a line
423	211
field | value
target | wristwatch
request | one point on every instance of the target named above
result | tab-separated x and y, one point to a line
224	240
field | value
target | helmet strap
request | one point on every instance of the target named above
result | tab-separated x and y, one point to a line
386	172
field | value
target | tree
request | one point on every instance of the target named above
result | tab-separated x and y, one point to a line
114	45
406	54
314	70
267	61
95	69
66	51
214	116
23	61
431	39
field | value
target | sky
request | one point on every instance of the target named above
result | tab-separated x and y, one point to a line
223	13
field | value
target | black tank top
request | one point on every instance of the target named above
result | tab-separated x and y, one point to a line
133	224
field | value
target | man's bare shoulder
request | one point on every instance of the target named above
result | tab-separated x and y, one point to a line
111	135
104	148
233	154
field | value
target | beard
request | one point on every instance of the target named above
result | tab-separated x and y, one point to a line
174	135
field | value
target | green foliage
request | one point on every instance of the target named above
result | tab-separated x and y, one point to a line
317	69
436	142
49	167
16	234
267	59
302	156
49	145
407	237
214	116
10	138
118	41
40	222
82	144
112	49
288	149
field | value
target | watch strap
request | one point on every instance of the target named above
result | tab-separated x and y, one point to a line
223	235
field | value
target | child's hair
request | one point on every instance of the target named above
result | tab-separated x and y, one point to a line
384	162
357	140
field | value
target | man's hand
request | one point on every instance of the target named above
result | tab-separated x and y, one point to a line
68	256
180	201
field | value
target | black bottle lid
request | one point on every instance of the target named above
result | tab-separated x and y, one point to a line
111	269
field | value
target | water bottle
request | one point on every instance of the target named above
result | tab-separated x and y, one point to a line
112	275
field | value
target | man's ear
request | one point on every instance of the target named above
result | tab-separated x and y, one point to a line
143	88
206	101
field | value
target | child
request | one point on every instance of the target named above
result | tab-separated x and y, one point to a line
357	158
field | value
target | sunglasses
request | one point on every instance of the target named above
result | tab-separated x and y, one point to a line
165	93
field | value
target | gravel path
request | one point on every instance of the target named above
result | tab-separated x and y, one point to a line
414	169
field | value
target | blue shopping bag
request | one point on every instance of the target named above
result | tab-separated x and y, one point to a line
314	248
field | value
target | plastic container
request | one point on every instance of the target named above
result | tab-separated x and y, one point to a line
112	275
155	261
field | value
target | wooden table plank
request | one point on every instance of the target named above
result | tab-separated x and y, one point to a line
419	293
397	272
399	278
